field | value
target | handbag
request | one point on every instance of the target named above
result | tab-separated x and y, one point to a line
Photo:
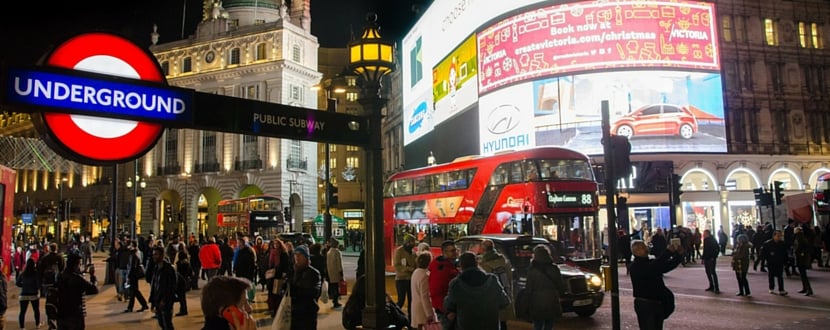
282	320
271	273
324	292
343	290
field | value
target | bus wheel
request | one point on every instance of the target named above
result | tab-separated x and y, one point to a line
586	312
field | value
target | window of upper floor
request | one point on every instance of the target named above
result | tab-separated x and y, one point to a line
809	35
250	92
187	64
351	96
296	93
296	53
234	56
726	28
260	51
165	68
770	32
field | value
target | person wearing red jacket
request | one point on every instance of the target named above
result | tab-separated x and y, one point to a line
441	271
211	258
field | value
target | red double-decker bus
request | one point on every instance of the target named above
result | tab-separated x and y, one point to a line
546	192
258	215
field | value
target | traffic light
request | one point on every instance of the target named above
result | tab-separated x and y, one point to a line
286	214
778	189
676	184
334	198
621	151
759	196
168	212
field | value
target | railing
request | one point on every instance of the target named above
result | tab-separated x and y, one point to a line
294	163
169	170
206	167
251	164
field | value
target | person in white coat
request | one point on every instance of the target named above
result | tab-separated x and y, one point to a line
334	266
422	312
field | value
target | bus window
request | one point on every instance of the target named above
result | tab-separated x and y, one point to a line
499	175
422	185
531	171
516	175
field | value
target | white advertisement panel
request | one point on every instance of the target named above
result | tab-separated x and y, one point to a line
506	120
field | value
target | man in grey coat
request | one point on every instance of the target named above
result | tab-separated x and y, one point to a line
475	297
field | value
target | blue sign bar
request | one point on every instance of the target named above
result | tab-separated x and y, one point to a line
28	218
98	96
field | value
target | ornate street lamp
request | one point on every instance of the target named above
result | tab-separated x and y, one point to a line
372	57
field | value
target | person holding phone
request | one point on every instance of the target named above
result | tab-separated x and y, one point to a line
225	304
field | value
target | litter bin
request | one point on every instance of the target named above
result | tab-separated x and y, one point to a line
606	277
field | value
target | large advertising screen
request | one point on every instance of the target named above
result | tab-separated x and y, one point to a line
542	70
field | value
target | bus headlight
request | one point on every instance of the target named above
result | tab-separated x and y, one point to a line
594	281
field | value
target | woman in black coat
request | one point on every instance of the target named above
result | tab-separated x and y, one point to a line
29	283
544	282
183	268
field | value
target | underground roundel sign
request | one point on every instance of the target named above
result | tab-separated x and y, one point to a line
101	140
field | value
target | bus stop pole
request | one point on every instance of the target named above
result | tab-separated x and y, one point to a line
610	208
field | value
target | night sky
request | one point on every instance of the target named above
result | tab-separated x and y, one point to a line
28	31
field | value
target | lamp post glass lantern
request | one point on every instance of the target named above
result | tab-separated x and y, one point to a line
372	57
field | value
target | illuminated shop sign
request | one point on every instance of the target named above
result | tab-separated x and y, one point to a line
584	36
101	97
566	199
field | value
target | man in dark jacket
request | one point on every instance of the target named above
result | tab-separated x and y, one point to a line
653	301
305	285
474	297
226	251
72	286
710	260
163	289
723	239
50	266
775	254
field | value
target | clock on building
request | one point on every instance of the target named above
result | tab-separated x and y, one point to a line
210	56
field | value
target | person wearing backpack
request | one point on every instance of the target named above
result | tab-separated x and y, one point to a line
135	271
72	287
495	263
29	283
163	289
50	266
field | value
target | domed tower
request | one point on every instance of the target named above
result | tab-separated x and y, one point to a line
248	12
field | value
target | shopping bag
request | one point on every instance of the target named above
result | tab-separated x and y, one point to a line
282	320
278	286
324	292
342	287
271	273
432	326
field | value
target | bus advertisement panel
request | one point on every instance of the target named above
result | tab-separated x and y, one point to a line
546	192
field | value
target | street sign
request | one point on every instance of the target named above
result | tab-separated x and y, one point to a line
28	218
101	140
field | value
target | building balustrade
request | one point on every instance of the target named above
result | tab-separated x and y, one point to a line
250	164
206	167
295	163
169	170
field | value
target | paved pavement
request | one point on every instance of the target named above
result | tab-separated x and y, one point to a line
105	312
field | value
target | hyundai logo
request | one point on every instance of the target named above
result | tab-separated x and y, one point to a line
503	119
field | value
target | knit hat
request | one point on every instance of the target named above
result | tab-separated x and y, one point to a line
302	249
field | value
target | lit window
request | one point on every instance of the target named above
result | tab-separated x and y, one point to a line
332	147
726	28
353	162
815	32
352	148
187	65
260	51
234	56
351	96
803	38
259	21
351	81
770	32
252	92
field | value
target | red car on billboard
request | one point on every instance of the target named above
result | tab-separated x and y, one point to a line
657	119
